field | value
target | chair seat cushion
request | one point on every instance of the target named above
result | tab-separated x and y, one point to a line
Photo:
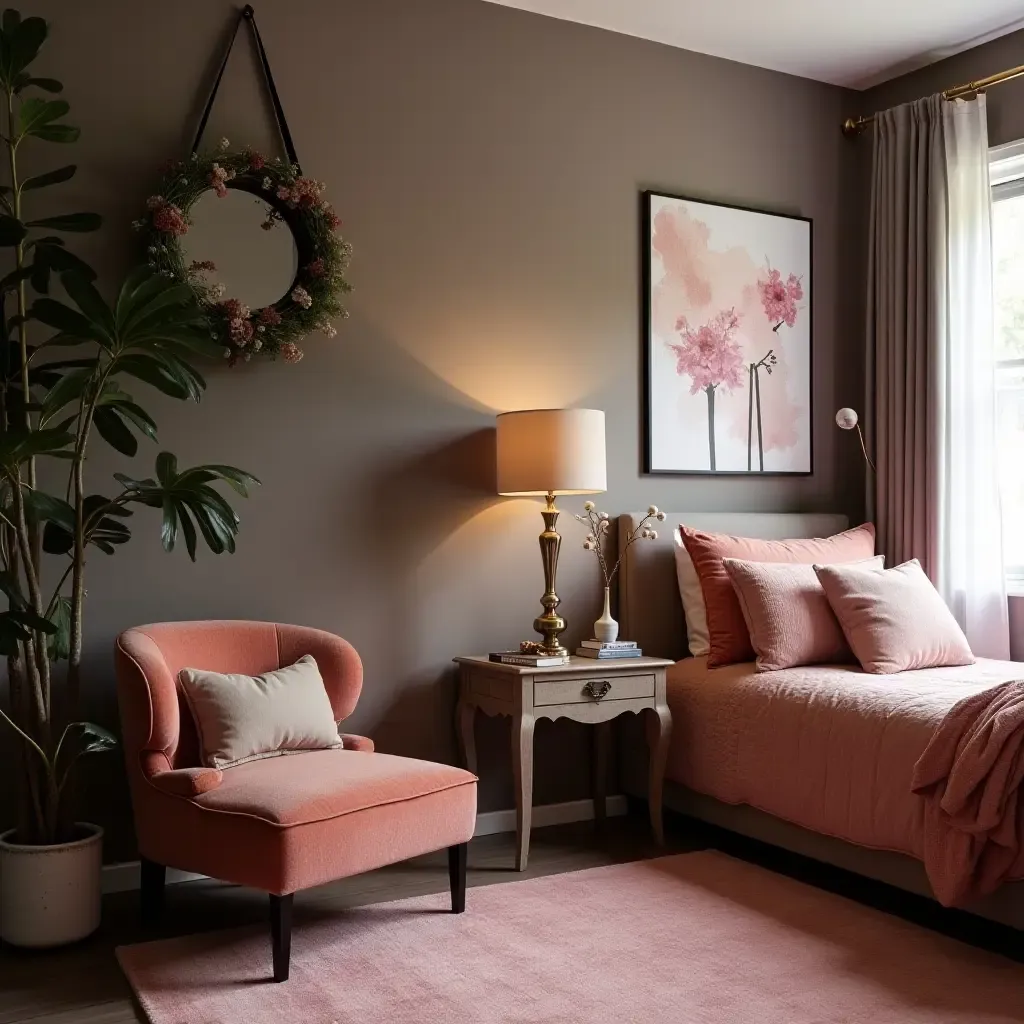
322	784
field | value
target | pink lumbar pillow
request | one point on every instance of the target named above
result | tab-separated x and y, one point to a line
728	636
894	620
788	615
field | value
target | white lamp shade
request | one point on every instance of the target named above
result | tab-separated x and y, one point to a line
551	451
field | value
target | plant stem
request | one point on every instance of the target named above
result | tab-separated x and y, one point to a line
750	414
710	391
757	399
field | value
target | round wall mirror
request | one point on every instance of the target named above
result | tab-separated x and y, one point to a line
257	265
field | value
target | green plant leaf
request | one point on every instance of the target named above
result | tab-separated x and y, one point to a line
35	112
148	369
46	84
22	40
12	231
115	431
68	321
69	388
18	624
69	222
61	260
237	479
85	296
17	446
10	282
187	500
49	178
59	646
137	415
41	507
189	530
57	133
166	468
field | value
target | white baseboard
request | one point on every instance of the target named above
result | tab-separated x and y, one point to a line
125	877
490	822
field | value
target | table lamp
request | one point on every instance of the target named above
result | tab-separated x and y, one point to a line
546	452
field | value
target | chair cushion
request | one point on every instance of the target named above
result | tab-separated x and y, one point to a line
322	784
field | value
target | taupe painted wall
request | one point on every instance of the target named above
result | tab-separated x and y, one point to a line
487	164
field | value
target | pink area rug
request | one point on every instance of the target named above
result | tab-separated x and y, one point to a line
692	939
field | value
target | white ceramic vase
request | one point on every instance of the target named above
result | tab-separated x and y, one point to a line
606	629
50	895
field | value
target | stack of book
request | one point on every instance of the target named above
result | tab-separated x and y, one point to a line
605	651
528	660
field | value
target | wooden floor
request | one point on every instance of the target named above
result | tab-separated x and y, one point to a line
84	985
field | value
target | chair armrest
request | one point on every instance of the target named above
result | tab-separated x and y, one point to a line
188	782
353	742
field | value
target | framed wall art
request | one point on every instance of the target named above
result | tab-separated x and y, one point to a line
727	338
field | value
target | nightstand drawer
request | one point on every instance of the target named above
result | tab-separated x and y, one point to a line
591	689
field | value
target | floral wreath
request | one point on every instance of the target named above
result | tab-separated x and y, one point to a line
312	301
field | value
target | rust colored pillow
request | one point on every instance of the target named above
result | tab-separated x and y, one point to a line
728	635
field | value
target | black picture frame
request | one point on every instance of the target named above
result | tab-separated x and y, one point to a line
646	338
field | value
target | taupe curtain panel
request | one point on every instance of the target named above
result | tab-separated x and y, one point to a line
931	358
906	318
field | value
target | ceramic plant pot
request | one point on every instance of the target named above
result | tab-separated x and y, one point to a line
50	895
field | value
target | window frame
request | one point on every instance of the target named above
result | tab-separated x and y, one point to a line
1006	175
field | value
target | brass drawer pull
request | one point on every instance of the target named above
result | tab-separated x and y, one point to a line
597	690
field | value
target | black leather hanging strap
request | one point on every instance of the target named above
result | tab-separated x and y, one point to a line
249	15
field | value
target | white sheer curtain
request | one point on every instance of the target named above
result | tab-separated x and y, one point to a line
969	570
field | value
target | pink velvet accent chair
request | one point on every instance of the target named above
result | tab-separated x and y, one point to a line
279	824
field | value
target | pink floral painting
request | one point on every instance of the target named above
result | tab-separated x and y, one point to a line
728	339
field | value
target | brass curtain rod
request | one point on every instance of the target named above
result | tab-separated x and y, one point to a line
855	125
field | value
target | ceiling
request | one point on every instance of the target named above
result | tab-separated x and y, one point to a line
856	45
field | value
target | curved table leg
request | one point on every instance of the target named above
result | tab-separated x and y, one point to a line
659	732
467	735
522	769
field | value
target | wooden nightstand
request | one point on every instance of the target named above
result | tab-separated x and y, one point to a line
585	690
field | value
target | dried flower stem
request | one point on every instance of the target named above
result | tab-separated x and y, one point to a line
599	528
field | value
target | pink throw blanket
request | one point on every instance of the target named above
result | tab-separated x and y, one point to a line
970	777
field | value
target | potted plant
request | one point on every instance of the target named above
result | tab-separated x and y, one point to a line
52	408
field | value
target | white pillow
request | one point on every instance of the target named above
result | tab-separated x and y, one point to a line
242	718
693	602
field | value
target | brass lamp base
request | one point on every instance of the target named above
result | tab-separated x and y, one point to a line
550	625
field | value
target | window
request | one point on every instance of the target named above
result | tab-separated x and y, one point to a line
1007	173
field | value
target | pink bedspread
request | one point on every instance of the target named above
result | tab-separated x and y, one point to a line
830	748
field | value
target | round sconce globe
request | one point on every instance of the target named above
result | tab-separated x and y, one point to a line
847	419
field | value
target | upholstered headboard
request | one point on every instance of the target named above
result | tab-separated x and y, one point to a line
650	610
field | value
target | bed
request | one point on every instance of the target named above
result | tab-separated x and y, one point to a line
817	760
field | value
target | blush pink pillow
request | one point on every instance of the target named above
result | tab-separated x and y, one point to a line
788	615
728	636
894	620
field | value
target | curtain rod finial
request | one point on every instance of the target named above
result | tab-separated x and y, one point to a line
853	126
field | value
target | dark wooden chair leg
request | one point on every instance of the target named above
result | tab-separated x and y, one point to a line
151	897
281	934
457	876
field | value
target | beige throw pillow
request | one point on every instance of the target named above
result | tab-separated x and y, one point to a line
241	718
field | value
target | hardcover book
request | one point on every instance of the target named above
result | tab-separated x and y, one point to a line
528	660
